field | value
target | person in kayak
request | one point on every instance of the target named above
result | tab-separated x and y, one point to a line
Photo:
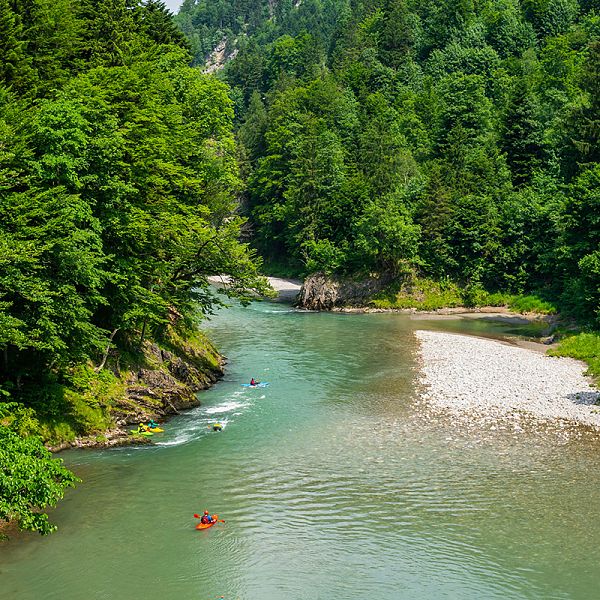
142	428
254	382
206	519
152	424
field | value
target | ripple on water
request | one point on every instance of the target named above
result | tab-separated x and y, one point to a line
198	422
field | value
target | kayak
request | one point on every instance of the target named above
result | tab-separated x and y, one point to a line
207	525
261	384
136	432
156	429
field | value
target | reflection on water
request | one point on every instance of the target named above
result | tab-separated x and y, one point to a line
334	482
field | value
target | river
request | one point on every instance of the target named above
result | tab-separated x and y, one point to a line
334	483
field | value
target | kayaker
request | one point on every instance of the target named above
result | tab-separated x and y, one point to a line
253	382
206	519
142	428
152	424
217	426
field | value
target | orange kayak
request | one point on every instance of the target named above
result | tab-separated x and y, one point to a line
207	525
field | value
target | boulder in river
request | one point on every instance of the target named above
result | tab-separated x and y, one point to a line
324	292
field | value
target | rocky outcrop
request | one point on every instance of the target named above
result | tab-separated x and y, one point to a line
161	382
322	292
167	383
220	56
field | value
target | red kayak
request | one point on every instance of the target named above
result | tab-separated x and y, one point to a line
207	525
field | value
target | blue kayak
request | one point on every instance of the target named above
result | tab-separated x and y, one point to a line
261	384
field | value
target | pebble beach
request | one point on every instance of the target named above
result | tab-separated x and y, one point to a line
494	380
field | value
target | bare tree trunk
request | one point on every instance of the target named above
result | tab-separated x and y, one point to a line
110	339
143	334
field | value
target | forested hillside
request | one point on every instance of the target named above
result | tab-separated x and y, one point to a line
455	140
118	185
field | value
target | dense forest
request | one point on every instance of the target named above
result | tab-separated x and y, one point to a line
449	142
454	141
118	187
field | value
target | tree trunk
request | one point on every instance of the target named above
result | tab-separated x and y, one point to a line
110	339
143	334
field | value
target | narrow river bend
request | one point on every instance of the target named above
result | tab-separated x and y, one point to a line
334	482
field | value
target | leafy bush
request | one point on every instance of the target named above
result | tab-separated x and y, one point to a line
420	294
426	294
30	479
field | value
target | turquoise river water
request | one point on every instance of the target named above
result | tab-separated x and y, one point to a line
334	483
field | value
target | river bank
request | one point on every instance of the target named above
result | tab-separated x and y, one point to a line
495	381
156	382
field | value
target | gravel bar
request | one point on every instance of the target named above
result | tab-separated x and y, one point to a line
491	379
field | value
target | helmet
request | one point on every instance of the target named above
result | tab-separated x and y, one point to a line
205	512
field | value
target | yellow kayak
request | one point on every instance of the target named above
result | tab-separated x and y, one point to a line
155	429
138	432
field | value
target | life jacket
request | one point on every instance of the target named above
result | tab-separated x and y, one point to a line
205	520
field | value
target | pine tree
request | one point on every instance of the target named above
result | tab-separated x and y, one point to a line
15	70
522	139
51	31
157	23
586	118
396	38
108	31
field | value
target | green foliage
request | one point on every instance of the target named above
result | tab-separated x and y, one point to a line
15	65
420	294
581	244
426	294
386	238
30	480
531	304
457	139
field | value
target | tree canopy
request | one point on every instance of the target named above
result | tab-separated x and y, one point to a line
119	192
456	139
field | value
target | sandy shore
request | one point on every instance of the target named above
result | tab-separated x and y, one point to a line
493	380
287	289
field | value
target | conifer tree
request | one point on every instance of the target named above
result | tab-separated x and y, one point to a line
522	139
157	23
15	70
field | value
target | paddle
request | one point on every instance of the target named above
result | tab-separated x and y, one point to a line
200	516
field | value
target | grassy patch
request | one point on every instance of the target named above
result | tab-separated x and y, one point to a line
421	294
77	404
426	294
584	346
195	347
531	304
